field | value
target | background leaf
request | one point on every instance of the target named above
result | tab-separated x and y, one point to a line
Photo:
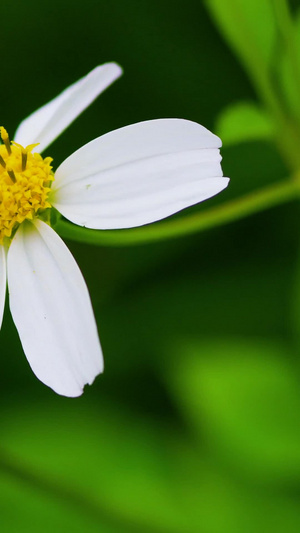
242	122
249	27
245	396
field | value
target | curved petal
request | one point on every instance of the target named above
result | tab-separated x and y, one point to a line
139	174
48	122
2	281
51	308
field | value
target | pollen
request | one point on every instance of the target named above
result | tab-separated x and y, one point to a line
25	184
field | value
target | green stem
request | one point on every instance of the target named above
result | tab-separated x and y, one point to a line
287	135
287	30
231	211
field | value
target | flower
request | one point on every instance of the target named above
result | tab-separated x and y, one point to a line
129	177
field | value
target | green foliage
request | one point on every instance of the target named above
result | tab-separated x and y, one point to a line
245	395
249	27
75	457
244	122
129	475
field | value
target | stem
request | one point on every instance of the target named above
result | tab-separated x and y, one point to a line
287	135
231	211
246	46
287	29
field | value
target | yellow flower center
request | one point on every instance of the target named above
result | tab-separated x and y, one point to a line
25	181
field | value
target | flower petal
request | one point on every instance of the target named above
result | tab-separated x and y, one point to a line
51	308
139	174
48	122
2	281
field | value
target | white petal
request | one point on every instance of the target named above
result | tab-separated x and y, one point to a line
2	281
139	174
51	308
48	122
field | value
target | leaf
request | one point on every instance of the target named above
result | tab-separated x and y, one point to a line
111	469
248	26
30	509
242	122
66	467
245	395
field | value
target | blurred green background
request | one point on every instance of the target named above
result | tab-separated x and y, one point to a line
194	425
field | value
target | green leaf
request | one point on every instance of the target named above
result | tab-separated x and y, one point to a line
245	395
28	508
242	122
251	30
249	27
107	466
67	466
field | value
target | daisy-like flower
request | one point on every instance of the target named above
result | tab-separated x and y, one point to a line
129	177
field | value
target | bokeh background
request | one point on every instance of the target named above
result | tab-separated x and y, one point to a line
194	426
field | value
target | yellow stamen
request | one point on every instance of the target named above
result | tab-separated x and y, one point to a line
25	151
25	181
11	174
2	162
24	160
5	139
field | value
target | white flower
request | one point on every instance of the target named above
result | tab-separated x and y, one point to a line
126	178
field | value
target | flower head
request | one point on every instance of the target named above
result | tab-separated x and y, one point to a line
126	178
25	180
